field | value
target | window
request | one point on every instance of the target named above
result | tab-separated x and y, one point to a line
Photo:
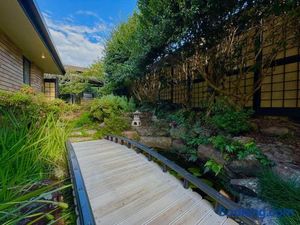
26	71
50	89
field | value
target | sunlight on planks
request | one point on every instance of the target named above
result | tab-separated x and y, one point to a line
125	188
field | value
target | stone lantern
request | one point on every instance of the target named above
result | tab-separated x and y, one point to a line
136	122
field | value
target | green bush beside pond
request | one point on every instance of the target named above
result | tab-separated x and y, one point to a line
110	105
112	111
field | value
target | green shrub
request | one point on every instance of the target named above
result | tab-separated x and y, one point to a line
237	150
84	120
181	117
114	125
228	118
31	104
281	194
110	105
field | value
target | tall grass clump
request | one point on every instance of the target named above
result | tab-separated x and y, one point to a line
281	194
32	157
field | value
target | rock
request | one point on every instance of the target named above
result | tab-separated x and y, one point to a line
177	144
91	132
177	132
249	167
254	204
76	133
80	139
152	131
133	135
248	186
206	152
157	142
243	140
288	172
275	131
277	152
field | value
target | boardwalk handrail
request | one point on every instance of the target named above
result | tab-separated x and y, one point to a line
86	216
188	177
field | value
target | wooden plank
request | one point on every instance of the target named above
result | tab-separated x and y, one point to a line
153	209
125	188
195	215
174	212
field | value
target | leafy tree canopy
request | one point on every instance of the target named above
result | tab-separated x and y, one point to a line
161	27
77	83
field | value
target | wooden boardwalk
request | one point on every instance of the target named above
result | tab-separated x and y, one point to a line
123	187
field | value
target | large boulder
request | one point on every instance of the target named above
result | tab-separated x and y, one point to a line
152	131
288	172
243	139
278	152
275	131
247	186
249	167
207	152
133	135
157	142
255	204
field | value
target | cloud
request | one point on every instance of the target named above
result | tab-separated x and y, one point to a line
78	44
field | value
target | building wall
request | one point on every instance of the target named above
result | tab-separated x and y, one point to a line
11	67
36	78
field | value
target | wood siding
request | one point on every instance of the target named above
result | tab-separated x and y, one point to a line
36	78
11	67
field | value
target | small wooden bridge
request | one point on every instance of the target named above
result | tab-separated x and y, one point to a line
114	185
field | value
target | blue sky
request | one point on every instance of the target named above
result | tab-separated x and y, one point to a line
79	28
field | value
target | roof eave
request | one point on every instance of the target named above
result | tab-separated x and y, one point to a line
37	21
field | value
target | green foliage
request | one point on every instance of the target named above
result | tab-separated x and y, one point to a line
84	120
161	27
96	70
281	194
112	110
73	84
32	105
251	149
228	118
181	117
213	166
119	53
109	106
114	125
196	171
189	153
30	150
77	83
238	150
199	140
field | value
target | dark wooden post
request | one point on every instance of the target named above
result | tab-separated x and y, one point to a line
172	85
